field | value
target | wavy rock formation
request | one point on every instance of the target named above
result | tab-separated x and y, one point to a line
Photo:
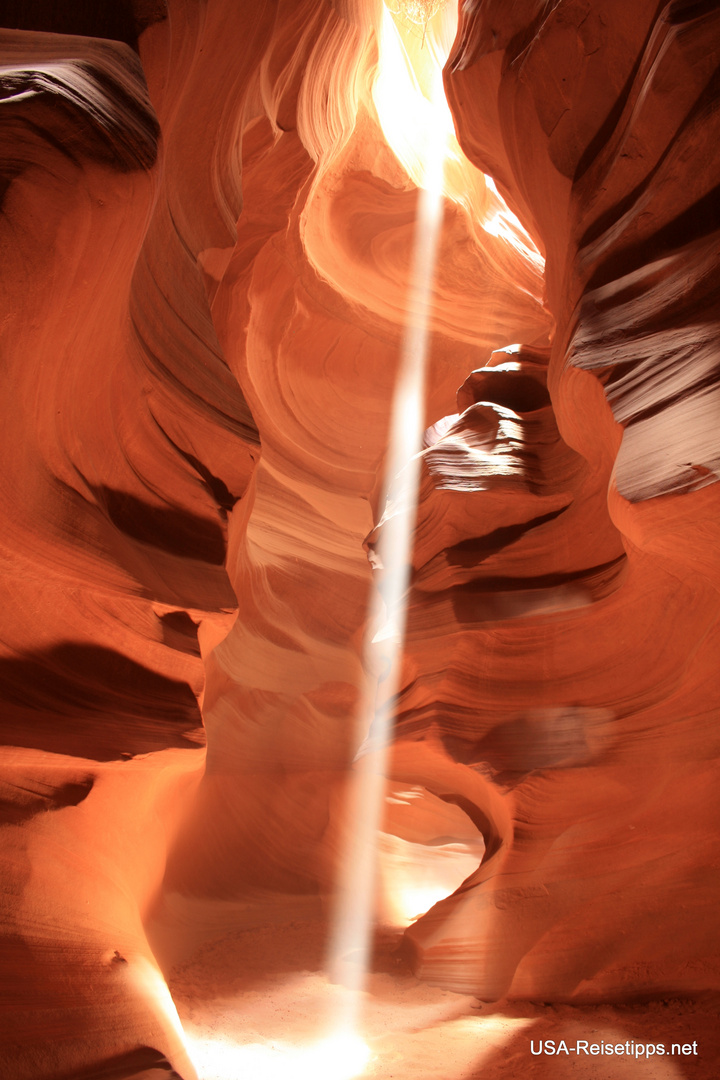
595	718
126	442
207	228
310	313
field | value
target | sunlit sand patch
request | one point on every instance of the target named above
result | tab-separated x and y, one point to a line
339	1057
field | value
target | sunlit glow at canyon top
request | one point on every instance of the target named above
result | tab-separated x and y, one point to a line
408	94
416	120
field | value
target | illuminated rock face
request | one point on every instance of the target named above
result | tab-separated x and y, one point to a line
598	721
204	282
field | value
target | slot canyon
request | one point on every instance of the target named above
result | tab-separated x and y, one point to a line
212	231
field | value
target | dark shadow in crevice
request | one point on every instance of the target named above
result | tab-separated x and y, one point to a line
143	1063
118	20
165	527
479	548
39	797
91	702
180	632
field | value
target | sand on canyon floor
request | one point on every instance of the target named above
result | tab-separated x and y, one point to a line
249	984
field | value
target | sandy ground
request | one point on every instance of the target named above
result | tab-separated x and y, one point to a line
248	982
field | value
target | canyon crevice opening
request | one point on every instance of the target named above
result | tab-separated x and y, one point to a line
359	680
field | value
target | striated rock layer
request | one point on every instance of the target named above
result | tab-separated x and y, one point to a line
207	231
582	680
126	442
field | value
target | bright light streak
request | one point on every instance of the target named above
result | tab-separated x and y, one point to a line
356	896
151	985
341	1057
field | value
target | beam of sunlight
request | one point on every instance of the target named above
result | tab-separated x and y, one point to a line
354	912
344	1055
151	986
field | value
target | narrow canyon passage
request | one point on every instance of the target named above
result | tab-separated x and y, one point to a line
258	558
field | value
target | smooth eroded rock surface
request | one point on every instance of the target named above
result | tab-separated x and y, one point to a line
207	229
